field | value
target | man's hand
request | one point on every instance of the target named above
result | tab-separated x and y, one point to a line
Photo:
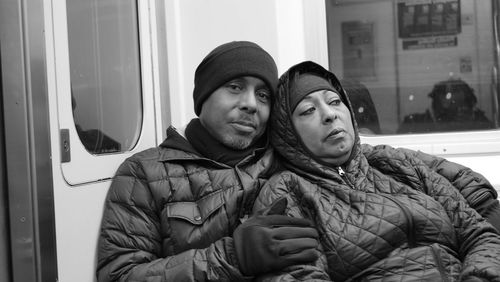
270	242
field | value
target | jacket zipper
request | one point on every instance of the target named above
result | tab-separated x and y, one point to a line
344	177
244	211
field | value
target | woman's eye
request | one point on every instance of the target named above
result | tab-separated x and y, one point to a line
335	102
308	111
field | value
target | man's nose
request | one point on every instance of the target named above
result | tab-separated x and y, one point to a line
248	101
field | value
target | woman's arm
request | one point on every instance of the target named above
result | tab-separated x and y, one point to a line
473	186
479	242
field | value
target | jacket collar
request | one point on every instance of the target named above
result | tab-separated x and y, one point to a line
176	141
180	149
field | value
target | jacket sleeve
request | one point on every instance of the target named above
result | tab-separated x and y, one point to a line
479	242
284	186
130	242
473	186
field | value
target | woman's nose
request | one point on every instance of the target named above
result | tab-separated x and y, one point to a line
328	114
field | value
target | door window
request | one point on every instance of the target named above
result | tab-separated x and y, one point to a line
103	38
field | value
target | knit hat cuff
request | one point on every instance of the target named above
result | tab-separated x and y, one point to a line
229	61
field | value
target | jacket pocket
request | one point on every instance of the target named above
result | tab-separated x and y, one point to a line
196	212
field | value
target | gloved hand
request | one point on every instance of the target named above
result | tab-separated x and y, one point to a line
272	241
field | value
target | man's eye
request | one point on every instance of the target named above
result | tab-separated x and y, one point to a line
234	86
264	96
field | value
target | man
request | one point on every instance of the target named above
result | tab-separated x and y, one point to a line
173	212
453	108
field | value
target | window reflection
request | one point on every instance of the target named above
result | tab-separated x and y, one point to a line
418	66
453	108
105	73
94	140
363	106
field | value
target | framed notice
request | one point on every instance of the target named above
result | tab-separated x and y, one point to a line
358	50
428	23
422	18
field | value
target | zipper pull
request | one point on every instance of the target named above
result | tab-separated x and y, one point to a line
341	171
244	218
345	178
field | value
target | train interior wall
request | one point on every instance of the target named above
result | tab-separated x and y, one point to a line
4	207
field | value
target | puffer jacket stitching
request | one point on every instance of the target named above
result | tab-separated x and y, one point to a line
416	172
158	174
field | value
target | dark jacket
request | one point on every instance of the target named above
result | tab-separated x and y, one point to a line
385	215
169	215
474	187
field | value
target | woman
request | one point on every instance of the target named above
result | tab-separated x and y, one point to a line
387	217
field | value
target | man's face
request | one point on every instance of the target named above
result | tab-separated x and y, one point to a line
454	106
236	113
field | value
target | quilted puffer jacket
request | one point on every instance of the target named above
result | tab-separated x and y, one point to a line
473	186
169	215
383	216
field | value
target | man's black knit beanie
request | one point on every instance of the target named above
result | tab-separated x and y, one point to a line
229	61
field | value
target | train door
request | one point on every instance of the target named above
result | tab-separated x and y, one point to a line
5	274
81	91
103	67
27	188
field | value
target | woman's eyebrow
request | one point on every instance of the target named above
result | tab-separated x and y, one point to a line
334	93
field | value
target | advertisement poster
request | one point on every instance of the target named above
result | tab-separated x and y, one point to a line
358	50
428	23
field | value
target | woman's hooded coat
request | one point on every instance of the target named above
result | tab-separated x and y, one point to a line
384	215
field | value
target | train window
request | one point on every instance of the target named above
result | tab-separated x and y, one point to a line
412	66
105	73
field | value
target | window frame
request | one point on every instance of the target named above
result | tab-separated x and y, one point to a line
84	167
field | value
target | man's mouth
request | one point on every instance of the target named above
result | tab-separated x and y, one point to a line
244	126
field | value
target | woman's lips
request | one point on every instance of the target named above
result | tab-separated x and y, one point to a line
337	132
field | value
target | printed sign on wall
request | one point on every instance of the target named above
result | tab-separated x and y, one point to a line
358	50
428	23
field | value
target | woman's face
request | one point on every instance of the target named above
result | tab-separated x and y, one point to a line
324	124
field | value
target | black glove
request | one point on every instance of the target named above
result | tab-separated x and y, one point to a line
270	242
